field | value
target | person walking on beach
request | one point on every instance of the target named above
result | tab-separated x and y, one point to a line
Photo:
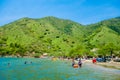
94	60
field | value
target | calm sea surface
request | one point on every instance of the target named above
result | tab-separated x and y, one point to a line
45	69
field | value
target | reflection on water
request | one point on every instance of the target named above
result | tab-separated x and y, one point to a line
44	69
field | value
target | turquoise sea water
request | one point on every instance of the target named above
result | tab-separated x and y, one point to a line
45	69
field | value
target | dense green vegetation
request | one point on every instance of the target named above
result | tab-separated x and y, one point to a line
59	37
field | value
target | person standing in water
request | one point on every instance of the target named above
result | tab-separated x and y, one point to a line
73	62
80	63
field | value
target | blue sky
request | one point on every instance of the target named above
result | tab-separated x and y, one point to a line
81	11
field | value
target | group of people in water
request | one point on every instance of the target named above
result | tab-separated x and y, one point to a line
79	64
24	63
74	65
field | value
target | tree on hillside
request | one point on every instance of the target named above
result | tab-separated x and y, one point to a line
77	51
108	50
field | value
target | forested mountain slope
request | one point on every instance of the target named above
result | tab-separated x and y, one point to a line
56	36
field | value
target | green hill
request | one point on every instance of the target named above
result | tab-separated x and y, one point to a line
58	37
49	34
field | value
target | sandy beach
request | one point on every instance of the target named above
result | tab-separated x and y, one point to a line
115	65
111	64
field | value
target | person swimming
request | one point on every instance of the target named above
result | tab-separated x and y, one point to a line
25	62
8	64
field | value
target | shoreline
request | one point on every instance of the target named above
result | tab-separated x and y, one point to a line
111	64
